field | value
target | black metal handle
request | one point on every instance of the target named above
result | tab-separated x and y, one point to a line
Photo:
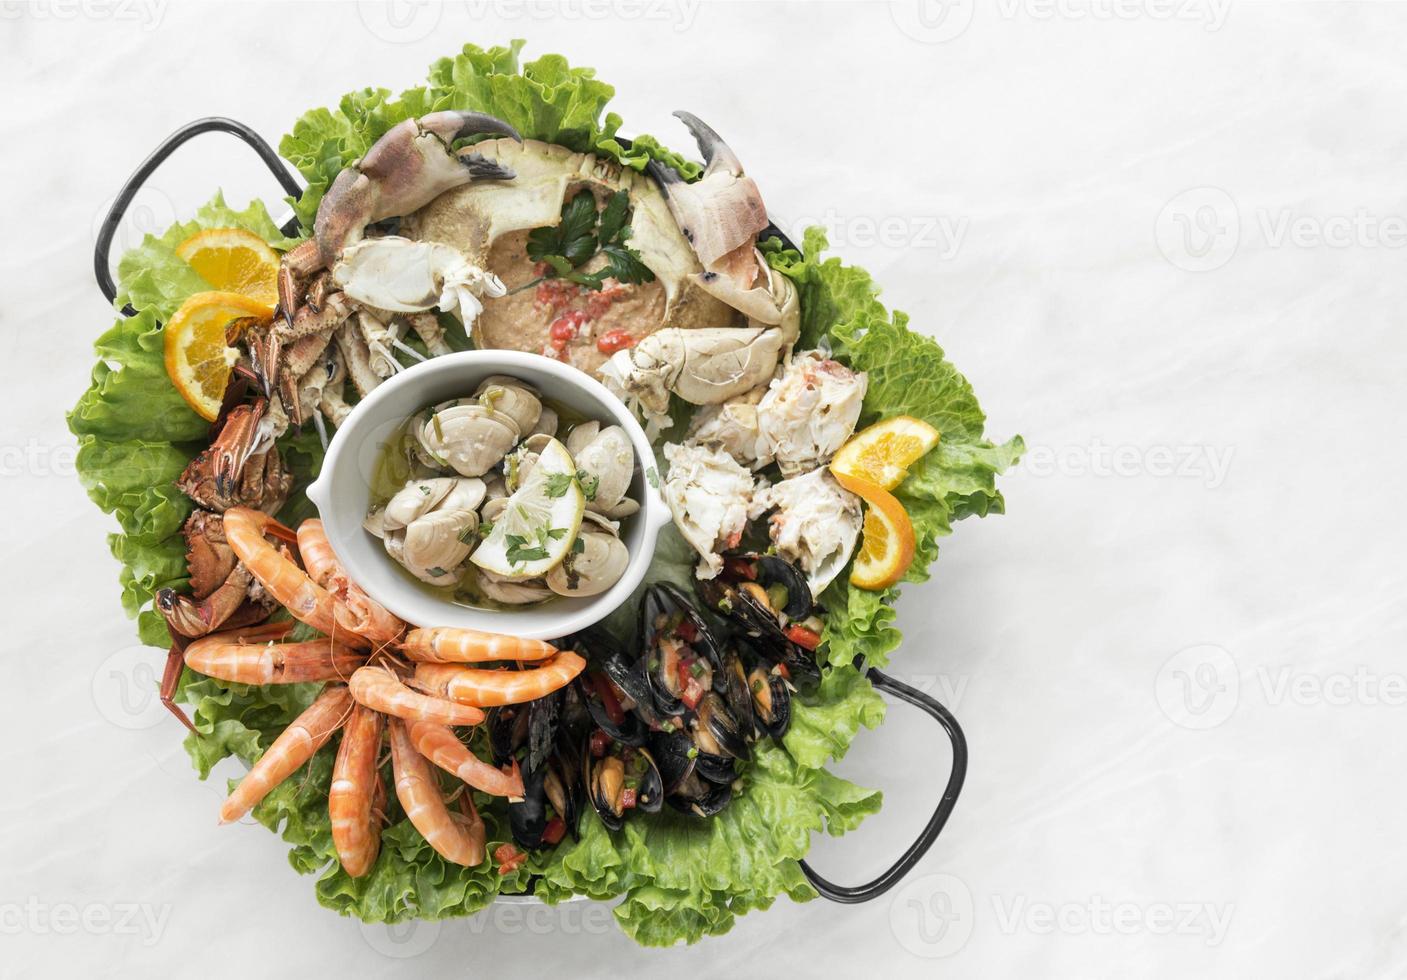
916	850
211	124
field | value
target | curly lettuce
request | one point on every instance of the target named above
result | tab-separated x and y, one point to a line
908	375
674	878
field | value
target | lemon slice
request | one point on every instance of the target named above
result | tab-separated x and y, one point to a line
234	261
883	453
539	526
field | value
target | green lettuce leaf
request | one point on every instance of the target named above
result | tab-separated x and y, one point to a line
908	375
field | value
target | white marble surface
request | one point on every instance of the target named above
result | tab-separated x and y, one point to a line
1210	514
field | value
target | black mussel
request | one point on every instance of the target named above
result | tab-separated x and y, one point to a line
771	700
680	651
768	599
621	779
607	712
528	818
700	797
733	681
716	729
614	689
675	754
550	792
714	768
507	729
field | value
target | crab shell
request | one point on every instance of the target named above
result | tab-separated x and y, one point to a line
477	217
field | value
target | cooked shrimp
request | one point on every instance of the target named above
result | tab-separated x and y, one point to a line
447	645
357	793
370	618
378	688
418	789
250	656
442	747
299	742
487	688
283	579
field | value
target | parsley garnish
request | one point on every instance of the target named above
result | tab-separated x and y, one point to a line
580	236
558	484
518	553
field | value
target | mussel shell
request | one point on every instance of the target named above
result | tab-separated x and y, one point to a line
718	722
507	728
773	570
649	795
665	599
771	698
714	768
701	798
630	731
733	681
527	819
675	755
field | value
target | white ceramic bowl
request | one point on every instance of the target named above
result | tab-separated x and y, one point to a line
342	491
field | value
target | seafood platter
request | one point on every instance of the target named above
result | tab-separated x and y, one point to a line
526	512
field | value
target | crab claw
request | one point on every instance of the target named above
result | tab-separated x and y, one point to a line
238	439
406	169
716	153
452	124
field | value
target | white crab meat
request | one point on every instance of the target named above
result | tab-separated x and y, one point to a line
704	367
815	524
809	412
404	276
710	496
733	427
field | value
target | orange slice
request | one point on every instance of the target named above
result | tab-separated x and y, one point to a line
887	548
234	260
883	453
197	358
